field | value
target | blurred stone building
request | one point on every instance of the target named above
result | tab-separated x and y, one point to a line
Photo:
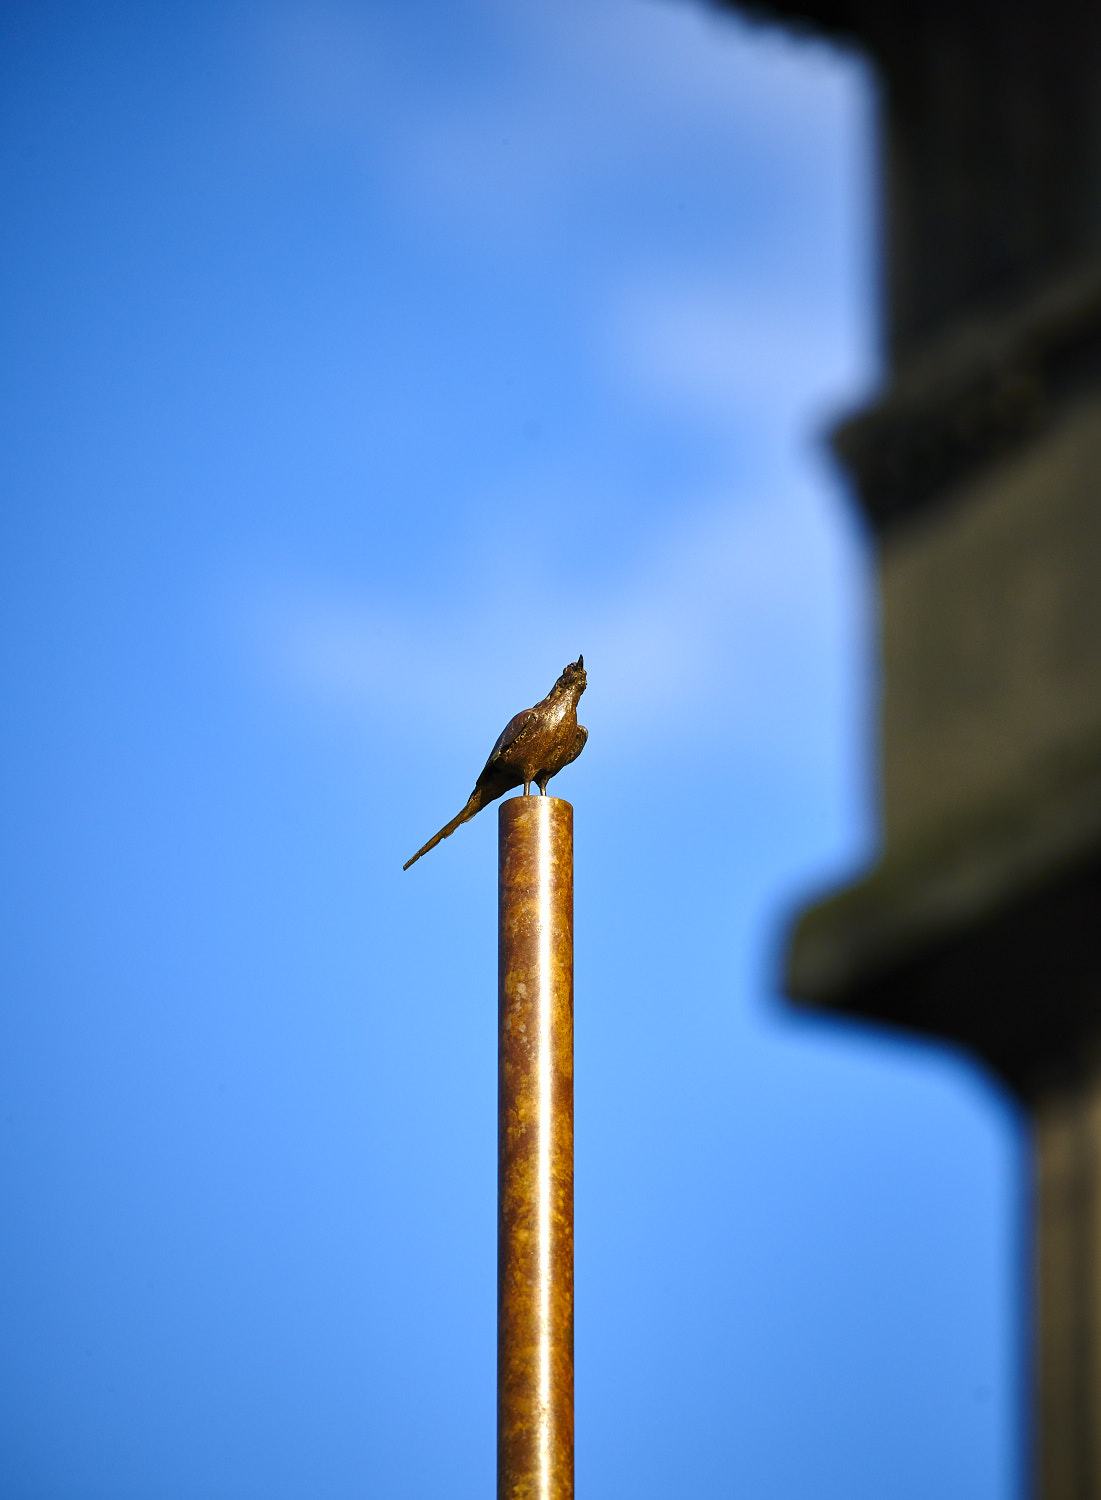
978	470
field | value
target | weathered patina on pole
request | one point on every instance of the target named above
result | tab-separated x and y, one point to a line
535	1145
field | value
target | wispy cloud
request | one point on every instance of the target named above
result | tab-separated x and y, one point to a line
723	353
721	599
720	612
567	97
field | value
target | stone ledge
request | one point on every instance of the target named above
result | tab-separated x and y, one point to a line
927	940
966	399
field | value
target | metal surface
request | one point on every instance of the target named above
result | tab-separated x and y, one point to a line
535	1162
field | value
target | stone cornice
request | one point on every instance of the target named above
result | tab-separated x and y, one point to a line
906	944
990	386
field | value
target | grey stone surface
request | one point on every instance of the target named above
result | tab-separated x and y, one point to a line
979	472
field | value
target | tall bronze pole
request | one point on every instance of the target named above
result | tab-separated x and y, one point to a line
535	1151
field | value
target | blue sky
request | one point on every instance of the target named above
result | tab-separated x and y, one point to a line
365	363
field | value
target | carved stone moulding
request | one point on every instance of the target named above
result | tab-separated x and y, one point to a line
979	922
980	391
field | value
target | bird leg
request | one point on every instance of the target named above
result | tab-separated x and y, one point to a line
527	788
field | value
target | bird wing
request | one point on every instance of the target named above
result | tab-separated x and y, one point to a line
514	733
577	744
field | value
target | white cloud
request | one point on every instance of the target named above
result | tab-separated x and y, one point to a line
724	601
571	92
721	613
326	69
726	351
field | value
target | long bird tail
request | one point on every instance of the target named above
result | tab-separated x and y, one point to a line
475	802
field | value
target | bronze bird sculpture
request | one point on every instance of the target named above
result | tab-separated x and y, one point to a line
533	746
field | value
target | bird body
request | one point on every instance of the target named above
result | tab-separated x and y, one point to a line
533	746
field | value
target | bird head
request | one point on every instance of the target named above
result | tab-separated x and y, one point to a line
573	678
